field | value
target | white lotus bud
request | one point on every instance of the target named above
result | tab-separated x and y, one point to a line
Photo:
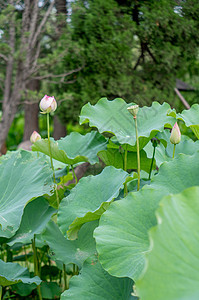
35	136
175	137
48	104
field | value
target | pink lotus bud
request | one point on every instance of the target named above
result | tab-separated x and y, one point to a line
175	137
48	104
35	136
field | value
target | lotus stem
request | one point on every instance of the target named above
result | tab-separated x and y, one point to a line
138	152
74	175
174	149
36	270
154	146
51	160
125	169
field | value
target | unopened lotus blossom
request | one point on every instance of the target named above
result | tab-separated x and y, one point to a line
133	109
48	104
35	136
175	137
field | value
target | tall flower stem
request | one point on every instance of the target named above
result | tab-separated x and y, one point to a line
74	175
174	149
51	160
36	269
138	152
0	292
125	169
65	278
154	146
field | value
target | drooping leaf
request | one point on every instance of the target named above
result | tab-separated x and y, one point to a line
23	177
74	148
191	118
127	236
113	157
11	273
71	251
89	199
23	289
95	283
173	262
35	217
113	117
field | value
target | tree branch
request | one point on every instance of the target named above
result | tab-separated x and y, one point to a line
60	75
39	29
4	57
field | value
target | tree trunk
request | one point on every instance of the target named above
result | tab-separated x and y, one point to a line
59	129
31	113
60	5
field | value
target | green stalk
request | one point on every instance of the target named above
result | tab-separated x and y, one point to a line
74	175
0	292
51	160
138	153
174	149
36	271
152	162
125	169
65	280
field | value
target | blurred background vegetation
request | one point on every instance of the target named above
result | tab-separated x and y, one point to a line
85	50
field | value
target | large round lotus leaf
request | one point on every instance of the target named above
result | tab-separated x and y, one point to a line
113	157
71	251
95	283
74	148
89	199
123	227
113	117
23	177
36	215
173	263
11	273
191	118
178	174
122	235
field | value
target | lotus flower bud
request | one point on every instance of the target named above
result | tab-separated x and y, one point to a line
48	104
175	137
133	109
35	136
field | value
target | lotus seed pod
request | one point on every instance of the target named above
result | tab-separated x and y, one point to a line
175	137
133	109
35	136
48	104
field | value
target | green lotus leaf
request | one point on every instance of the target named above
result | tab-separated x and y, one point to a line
74	148
122	235
95	283
89	199
122	241
113	157
11	273
36	215
173	260
71	251
50	290
164	151
113	117
191	118
23	177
